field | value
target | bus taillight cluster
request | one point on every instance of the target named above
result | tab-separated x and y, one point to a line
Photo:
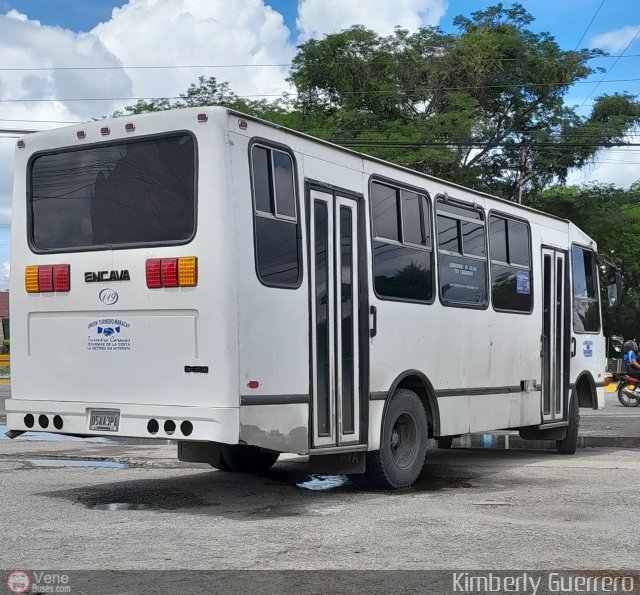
172	272
47	278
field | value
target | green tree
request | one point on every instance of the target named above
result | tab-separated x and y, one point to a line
484	107
208	91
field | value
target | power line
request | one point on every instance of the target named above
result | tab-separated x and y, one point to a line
589	25
275	65
16	131
472	145
611	67
41	121
422	90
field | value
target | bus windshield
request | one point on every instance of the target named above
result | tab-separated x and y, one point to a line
130	193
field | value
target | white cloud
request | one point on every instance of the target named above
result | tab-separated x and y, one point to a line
192	32
319	17
25	43
615	40
617	166
142	32
7	146
5	274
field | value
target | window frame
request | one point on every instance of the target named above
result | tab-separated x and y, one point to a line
428	204
597	288
503	215
273	146
444	198
103	247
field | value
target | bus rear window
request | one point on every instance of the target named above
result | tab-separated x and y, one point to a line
131	193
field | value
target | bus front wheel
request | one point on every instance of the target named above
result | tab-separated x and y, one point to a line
248	459
403	445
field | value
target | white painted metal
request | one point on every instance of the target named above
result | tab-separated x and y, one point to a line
245	331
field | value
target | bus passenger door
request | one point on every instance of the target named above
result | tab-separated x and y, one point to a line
334	284
554	335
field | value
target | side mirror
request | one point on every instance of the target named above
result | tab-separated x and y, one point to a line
614	289
616	342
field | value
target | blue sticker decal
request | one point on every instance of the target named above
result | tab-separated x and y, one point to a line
108	334
523	284
587	348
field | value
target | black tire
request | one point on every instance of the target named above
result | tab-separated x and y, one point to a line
403	445
248	459
217	459
360	479
623	398
567	446
445	442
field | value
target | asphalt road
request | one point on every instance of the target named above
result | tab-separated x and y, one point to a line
472	508
95	505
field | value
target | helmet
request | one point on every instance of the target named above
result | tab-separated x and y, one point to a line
629	346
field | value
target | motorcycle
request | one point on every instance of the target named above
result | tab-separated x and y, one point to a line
628	389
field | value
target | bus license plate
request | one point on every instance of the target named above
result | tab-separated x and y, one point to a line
104	420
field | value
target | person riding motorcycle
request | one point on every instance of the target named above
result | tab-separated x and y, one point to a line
630	349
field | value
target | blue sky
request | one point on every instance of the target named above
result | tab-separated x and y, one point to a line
566	20
86	33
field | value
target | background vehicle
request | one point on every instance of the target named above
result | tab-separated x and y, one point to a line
248	290
628	392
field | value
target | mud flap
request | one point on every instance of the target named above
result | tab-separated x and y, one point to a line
11	434
536	433
341	463
197	452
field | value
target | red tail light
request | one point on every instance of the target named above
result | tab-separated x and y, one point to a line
45	278
170	272
61	277
154	280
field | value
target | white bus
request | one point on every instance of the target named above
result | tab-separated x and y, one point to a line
246	290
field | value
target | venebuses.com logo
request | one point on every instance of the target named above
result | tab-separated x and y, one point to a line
38	581
18	581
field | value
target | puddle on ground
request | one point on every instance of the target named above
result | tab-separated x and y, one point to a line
123	506
513	441
51	437
321	483
76	463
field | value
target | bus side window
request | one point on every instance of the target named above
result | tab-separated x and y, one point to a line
277	237
509	242
462	254
402	253
586	307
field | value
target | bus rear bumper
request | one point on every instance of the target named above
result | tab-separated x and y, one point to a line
216	424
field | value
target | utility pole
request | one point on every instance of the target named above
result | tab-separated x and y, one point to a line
522	172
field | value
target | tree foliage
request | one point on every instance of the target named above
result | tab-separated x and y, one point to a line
484	107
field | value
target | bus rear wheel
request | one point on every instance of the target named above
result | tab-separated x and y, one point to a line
248	459
403	445
567	446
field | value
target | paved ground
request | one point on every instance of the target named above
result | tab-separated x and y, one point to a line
472	508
